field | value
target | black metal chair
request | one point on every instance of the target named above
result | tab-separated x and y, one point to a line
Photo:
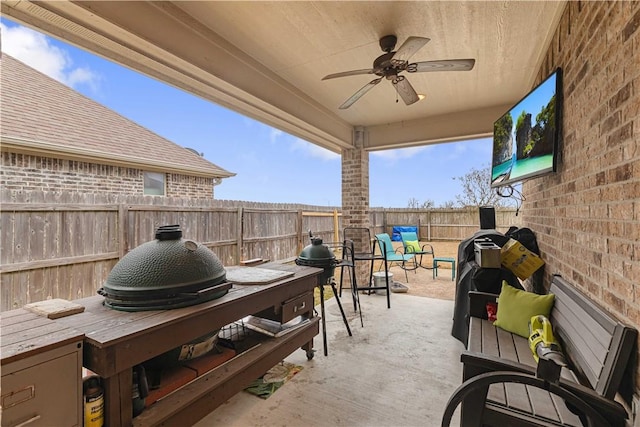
364	251
347	262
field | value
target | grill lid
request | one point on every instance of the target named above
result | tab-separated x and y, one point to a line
167	272
316	253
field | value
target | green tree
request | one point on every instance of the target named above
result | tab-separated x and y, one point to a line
477	191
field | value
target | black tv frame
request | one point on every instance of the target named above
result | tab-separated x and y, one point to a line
514	112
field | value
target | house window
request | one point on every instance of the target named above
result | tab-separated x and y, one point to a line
154	183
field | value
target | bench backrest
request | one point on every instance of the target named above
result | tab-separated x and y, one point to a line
597	345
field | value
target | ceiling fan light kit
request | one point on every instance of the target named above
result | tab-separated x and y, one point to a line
390	64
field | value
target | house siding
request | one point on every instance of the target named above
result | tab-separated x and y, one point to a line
22	172
587	216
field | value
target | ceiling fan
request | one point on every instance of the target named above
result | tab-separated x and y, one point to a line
391	63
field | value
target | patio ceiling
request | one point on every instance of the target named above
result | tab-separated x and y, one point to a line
266	59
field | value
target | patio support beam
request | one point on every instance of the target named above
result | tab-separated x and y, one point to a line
459	126
355	193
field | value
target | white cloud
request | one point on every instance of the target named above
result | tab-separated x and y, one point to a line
79	76
311	150
248	122
399	153
477	147
274	135
457	150
35	50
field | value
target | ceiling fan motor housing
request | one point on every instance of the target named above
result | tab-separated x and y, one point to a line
382	65
387	43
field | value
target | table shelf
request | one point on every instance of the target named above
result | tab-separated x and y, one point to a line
196	399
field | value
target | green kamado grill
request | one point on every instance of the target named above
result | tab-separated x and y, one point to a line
165	273
319	255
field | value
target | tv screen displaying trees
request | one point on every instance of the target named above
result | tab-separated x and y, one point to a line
525	139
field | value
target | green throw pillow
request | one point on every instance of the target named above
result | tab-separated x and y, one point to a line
517	307
412	246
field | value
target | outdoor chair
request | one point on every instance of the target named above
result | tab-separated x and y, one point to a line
362	250
392	256
411	245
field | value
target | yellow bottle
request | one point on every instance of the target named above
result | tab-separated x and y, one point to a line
93	402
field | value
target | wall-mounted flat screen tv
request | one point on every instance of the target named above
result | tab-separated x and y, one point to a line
526	138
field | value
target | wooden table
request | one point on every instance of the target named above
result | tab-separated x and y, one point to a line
116	341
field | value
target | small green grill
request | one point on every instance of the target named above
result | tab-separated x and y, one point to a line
319	255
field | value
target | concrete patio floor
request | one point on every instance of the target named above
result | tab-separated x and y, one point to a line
397	370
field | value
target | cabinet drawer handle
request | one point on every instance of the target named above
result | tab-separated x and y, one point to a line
303	305
29	421
16	397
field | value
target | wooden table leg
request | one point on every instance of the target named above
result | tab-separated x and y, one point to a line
118	409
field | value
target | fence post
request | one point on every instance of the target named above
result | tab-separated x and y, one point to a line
336	229
123	234
429	226
384	221
299	230
239	234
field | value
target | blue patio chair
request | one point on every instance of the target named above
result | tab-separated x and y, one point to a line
394	256
411	245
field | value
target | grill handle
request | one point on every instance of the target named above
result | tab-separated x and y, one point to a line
207	291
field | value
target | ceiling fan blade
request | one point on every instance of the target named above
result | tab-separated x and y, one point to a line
405	90
348	73
366	88
408	48
444	65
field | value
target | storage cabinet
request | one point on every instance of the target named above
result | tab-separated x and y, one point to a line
41	381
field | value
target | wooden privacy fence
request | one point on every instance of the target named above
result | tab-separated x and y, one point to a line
440	224
66	250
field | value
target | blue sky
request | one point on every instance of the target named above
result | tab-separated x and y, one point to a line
271	166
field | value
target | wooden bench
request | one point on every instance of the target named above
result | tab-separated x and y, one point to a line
499	372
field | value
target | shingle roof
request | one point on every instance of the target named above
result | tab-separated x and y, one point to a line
42	113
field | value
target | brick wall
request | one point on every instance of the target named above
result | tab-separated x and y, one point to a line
195	187
355	195
587	216
21	172
355	183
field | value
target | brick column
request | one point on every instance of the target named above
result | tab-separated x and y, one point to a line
355	194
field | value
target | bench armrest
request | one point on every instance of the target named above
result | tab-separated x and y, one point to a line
478	303
478	363
477	387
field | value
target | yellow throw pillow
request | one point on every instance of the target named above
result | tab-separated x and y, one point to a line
412	246
516	308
